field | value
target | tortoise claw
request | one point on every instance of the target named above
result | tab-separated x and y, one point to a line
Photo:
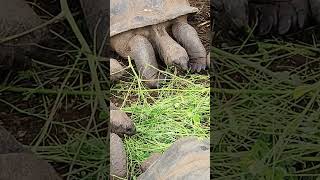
195	67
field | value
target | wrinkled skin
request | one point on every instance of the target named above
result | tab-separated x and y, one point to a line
271	16
183	50
120	123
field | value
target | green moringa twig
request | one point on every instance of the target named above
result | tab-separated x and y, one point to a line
47	91
91	59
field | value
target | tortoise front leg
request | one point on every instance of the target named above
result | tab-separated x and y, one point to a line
140	49
169	50
143	54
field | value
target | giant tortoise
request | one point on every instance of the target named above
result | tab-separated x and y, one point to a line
140	27
188	158
271	16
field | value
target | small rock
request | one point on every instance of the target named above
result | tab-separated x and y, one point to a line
120	123
118	158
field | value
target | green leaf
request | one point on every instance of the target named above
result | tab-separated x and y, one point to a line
196	119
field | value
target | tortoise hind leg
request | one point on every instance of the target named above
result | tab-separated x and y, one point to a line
188	37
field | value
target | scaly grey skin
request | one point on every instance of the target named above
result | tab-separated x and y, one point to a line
177	52
169	50
145	59
140	49
139	43
185	50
